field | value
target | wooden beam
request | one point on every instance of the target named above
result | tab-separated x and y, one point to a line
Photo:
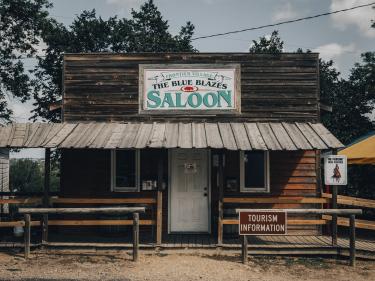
364	224
352	240
308	211
290	222
135	236
98	222
46	196
352	201
159	206
27	235
31	200
221	199
99	210
275	200
104	200
18	223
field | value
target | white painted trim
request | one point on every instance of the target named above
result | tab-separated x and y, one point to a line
137	173
264	189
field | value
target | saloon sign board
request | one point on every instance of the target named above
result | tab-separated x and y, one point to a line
199	89
262	223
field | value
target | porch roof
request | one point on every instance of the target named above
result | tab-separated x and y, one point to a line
233	135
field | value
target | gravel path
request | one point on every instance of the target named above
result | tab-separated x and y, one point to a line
185	265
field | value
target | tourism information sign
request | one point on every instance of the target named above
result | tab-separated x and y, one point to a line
262	223
189	88
335	170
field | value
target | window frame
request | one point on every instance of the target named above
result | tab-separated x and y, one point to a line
255	189
115	188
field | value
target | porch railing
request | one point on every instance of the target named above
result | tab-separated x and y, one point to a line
111	210
267	200
154	203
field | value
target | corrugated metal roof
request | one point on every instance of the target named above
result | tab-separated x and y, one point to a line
233	136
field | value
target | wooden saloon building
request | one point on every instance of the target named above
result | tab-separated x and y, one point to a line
192	136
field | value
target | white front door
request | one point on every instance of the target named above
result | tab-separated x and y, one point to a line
189	191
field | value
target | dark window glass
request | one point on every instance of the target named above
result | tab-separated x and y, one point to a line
254	168
125	168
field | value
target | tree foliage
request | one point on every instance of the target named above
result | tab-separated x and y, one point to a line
21	26
145	31
27	175
272	44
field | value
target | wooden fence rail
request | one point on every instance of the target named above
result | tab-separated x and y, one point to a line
350	212
109	210
268	200
157	221
352	201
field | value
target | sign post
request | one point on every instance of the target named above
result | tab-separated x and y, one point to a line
266	222
335	174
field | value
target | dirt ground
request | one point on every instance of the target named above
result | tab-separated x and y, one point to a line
184	265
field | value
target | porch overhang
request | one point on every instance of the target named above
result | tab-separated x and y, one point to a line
230	135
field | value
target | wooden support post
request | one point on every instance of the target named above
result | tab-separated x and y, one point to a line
334	206
334	216
135	236
159	204
27	235
244	249
47	171
220	203
352	240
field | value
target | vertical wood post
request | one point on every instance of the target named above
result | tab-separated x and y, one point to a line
46	199
352	240
135	236
27	235
159	203
334	206
220	203
244	249
334	216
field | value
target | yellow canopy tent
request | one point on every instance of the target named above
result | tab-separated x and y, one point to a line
361	151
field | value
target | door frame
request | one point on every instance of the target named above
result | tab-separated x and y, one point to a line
208	153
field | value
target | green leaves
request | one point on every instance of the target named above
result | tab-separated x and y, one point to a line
22	22
145	31
271	45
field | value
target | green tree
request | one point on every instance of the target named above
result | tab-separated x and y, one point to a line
27	175
21	26
272	45
145	31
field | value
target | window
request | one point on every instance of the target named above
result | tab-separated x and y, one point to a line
125	170
254	171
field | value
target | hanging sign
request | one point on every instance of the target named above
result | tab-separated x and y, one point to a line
199	89
335	170
262	223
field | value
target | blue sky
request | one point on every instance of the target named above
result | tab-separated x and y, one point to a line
341	37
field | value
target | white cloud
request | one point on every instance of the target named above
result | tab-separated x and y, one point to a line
333	51
286	12
361	18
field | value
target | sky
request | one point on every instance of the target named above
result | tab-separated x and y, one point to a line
341	37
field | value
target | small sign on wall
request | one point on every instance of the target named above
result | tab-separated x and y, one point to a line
335	170
262	223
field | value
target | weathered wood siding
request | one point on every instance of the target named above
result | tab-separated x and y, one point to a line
86	173
4	175
292	173
104	87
